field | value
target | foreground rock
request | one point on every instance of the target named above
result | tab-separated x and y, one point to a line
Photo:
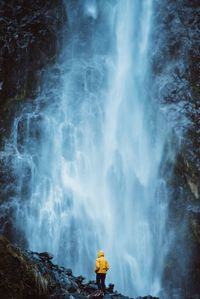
32	275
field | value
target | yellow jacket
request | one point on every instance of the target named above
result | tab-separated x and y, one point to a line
102	265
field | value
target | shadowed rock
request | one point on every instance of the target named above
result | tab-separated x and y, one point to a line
32	275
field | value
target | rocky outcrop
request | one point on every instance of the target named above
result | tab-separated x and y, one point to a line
32	275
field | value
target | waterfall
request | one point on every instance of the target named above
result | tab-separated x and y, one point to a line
87	153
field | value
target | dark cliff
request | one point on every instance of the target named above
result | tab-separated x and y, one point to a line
30	40
176	68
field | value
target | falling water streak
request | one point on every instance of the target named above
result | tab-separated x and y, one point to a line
92	159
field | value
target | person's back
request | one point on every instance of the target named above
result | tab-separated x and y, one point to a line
102	267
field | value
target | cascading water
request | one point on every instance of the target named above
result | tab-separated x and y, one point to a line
87	157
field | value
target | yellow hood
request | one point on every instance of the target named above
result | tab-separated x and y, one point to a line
100	253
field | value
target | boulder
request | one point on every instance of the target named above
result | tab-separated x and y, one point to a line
68	271
46	256
110	288
85	282
72	287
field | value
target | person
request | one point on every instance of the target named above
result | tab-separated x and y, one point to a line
101	269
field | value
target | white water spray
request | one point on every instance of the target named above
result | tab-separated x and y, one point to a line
92	156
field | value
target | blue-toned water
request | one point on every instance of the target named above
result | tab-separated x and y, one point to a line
88	154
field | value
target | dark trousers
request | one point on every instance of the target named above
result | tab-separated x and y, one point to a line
100	279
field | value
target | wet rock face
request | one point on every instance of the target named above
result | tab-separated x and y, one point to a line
31	275
176	75
176	65
30	40
31	35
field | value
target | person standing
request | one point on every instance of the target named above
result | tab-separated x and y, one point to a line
101	269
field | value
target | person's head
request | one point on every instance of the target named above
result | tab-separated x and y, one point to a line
100	253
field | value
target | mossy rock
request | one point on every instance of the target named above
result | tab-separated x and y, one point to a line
195	228
20	278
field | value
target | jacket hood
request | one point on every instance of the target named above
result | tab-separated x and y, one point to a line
100	253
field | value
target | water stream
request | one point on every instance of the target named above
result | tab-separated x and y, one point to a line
87	155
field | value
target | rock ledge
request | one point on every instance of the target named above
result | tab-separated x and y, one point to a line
31	275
